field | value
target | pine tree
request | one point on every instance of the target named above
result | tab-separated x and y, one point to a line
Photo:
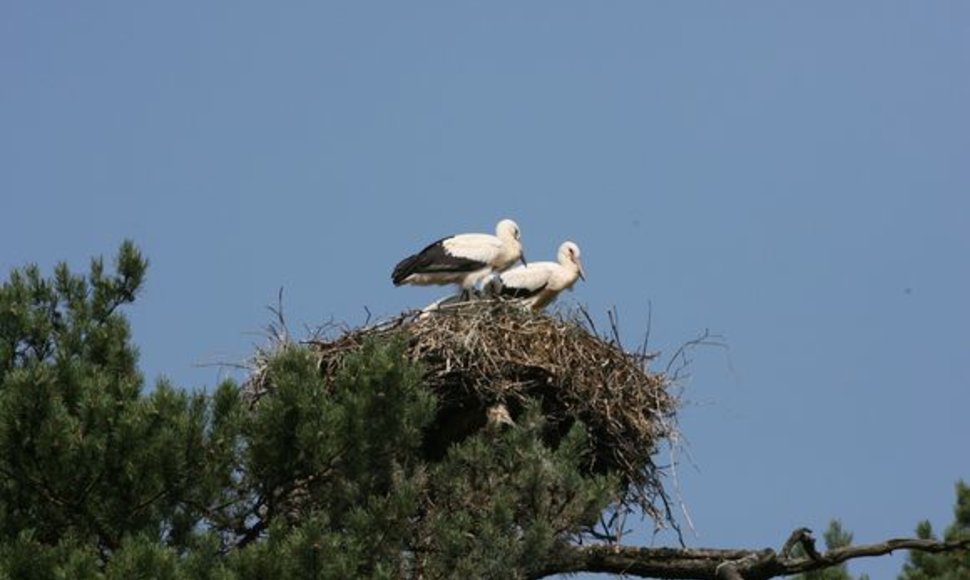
89	462
323	475
945	566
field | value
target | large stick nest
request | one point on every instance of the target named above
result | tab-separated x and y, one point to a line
484	358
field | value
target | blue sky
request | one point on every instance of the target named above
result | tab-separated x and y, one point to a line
795	177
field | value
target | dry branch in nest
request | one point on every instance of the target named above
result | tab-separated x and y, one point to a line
488	359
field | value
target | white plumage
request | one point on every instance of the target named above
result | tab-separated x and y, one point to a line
539	283
464	259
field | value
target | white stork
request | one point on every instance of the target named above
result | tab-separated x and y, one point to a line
464	259
539	283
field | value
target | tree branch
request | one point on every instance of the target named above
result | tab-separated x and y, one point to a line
839	555
716	564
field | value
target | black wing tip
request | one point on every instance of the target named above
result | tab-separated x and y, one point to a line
514	292
414	263
403	269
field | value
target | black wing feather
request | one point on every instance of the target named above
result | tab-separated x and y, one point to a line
513	292
433	259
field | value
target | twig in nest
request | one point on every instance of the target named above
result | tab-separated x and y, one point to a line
705	339
277	329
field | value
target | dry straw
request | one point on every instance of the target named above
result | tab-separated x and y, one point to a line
489	359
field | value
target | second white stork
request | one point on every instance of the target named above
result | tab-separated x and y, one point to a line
464	259
539	283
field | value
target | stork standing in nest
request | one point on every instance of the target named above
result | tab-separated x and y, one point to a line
539	283
464	259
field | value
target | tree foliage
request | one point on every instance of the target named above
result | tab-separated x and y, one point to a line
835	537
88	460
945	566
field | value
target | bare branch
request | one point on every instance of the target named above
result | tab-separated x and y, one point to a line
680	356
644	348
715	564
839	555
278	330
588	318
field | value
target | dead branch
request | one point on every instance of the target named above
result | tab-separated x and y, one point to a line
716	564
804	537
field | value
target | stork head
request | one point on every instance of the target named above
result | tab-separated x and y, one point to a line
508	230
569	257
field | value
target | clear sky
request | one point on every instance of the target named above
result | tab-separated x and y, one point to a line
793	176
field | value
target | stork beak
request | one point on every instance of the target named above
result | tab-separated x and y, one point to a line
582	272
522	257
